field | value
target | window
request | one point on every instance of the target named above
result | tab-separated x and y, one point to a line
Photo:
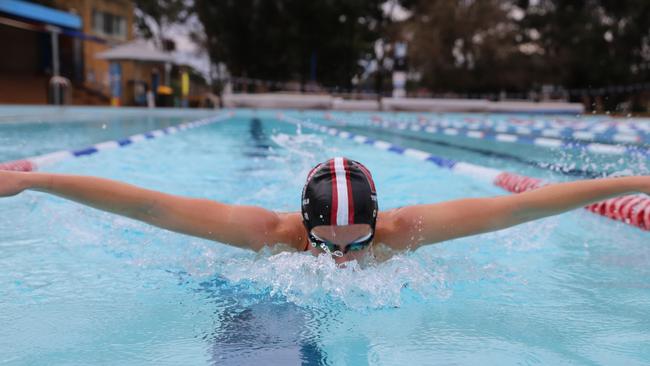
110	25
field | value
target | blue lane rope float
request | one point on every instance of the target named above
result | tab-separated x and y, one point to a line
36	162
567	133
563	133
631	209
582	131
564	170
547	142
579	124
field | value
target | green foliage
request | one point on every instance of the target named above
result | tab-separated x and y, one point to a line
466	46
490	45
591	43
161	13
291	39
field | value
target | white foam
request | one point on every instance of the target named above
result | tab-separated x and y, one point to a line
304	279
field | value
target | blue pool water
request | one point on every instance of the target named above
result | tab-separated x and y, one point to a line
79	286
40	130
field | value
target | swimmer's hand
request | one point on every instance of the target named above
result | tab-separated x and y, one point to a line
12	183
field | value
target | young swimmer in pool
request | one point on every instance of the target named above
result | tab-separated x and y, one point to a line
340	215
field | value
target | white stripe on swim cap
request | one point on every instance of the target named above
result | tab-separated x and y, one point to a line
341	192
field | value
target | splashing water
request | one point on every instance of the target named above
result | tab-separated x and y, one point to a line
307	280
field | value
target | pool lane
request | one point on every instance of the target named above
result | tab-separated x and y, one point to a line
36	162
630	209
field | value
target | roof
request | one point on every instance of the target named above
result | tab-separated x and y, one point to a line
40	13
138	50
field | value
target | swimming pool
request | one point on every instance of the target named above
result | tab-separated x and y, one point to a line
79	286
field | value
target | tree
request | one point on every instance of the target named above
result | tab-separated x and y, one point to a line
153	18
319	41
592	44
467	46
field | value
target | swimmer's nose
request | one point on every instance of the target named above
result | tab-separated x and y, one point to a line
343	259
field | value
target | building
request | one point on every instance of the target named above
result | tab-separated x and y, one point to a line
41	42
60	39
136	68
105	23
84	52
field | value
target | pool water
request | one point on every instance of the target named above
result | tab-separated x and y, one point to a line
41	130
79	286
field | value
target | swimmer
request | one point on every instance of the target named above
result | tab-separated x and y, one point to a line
339	211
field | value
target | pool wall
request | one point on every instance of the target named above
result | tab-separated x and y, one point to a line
298	101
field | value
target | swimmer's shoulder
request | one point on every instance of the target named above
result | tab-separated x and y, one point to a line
291	231
386	227
391	230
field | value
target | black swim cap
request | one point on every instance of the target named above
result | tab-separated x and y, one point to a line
339	192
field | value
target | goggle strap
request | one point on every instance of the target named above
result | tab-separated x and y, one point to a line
336	253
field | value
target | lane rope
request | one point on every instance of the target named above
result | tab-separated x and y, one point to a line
39	161
552	133
636	126
609	148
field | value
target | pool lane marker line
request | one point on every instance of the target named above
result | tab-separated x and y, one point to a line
563	133
613	126
574	172
597	135
36	162
631	209
547	142
593	133
500	127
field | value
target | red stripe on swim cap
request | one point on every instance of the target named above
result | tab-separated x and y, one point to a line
335	197
366	172
346	164
313	171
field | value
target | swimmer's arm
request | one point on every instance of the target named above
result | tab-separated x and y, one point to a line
426	224
242	226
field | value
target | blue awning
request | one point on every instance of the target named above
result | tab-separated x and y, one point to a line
40	13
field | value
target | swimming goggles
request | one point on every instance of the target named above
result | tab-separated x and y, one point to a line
335	249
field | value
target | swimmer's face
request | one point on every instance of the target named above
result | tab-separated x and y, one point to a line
349	239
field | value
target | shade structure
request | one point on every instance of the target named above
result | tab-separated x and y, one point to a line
137	50
39	13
